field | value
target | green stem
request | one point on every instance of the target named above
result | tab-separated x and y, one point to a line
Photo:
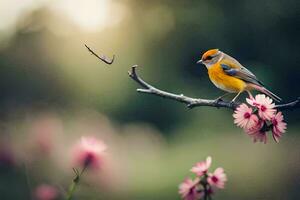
71	190
74	184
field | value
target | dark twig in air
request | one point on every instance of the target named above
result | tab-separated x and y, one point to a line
289	106
195	102
101	57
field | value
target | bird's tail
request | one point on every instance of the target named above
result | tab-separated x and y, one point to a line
267	92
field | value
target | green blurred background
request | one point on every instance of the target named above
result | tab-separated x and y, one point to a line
47	74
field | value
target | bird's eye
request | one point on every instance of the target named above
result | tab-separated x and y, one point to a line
208	58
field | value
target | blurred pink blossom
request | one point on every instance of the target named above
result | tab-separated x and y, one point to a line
44	142
243	116
7	156
46	192
279	126
89	152
44	131
204	184
201	167
265	105
189	189
218	178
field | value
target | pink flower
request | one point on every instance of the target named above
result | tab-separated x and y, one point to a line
46	192
244	117
265	106
260	136
89	152
201	167
279	126
218	178
189	189
44	131
255	127
257	133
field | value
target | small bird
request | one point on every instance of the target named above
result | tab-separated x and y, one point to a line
229	75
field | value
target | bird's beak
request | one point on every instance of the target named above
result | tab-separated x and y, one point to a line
199	62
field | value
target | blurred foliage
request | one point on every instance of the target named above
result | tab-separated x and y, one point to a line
45	66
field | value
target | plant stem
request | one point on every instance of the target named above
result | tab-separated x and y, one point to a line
205	192
74	183
206	186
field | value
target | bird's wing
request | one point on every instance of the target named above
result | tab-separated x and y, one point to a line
238	71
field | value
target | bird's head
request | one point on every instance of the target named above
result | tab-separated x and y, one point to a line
211	57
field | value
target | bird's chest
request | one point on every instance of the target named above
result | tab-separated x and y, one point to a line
222	80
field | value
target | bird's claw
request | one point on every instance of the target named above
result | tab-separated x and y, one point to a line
217	100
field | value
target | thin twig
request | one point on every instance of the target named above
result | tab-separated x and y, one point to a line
195	102
289	106
101	57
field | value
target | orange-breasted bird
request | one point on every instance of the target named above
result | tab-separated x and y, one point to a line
229	75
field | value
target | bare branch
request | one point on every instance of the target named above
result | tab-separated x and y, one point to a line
101	57
289	106
190	102
194	102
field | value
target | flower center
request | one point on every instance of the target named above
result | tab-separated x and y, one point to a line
263	108
214	179
89	159
247	115
275	122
